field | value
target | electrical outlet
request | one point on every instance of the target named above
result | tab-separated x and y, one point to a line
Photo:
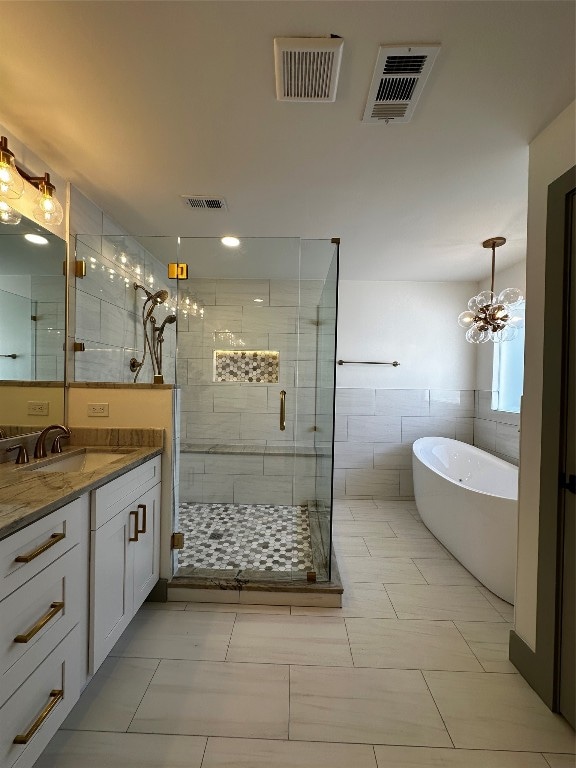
38	408
97	409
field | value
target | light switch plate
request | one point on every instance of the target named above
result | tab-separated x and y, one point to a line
38	407
97	409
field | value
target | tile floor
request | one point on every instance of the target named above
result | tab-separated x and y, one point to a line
412	672
239	537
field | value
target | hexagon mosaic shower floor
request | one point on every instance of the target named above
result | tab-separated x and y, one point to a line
253	537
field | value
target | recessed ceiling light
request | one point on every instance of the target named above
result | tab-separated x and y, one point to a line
36	239
259	300
231	242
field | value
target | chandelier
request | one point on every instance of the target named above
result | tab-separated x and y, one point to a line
490	317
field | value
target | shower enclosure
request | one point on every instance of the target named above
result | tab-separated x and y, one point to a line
255	370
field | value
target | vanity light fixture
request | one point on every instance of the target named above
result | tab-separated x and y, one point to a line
230	242
490	317
36	239
11	182
47	209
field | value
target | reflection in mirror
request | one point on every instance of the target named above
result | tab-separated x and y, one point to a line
32	327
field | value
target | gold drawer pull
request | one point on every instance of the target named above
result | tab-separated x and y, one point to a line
143	508
24	738
54	539
42	621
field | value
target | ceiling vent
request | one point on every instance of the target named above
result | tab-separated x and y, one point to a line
307	68
205	202
398	80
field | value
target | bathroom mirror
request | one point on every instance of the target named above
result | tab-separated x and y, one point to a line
32	327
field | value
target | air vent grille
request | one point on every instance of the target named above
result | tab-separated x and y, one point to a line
307	68
398	80
205	202
404	65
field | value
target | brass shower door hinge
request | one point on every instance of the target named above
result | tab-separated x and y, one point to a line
177	541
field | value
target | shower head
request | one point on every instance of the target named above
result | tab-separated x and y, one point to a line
169	319
158	298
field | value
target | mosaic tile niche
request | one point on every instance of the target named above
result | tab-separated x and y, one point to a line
257	366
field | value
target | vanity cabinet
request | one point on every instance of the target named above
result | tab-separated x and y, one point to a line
43	600
125	554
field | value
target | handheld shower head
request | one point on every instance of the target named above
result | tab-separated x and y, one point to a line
169	319
158	298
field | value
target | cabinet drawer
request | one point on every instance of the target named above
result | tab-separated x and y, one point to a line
35	619
29	551
111	498
24	709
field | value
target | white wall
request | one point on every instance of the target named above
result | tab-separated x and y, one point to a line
552	153
412	322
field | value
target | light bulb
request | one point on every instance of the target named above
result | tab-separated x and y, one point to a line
8	215
48	209
476	336
510	296
465	319
11	183
473	304
485	298
231	242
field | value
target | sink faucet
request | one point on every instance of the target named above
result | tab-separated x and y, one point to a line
40	448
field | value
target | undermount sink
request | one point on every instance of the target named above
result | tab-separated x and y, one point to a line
84	461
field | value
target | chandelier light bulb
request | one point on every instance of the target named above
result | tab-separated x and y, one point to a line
511	297
47	208
466	319
484	299
11	183
8	215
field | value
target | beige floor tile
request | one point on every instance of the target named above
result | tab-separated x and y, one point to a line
370	600
422	757
342	515
176	635
561	761
290	640
82	749
504	609
387	547
414	601
410	529
362	528
408	505
489	643
351	546
236	608
493	711
443	571
390	643
112	696
379	570
370	706
216	699
163	606
382	515
249	753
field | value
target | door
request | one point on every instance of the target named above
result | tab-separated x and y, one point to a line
568	492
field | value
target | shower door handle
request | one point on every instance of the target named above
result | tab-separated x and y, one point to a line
283	410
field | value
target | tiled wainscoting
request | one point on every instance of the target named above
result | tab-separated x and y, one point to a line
375	429
497	432
246	474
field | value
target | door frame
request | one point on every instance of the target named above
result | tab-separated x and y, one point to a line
541	667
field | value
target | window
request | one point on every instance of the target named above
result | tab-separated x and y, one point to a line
508	372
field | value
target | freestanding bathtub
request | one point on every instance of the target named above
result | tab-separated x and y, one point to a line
469	500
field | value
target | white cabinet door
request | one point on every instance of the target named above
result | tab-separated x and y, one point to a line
112	585
147	549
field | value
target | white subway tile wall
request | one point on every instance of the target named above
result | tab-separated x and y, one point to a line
375	430
107	314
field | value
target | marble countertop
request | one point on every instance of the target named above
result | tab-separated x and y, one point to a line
27	496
